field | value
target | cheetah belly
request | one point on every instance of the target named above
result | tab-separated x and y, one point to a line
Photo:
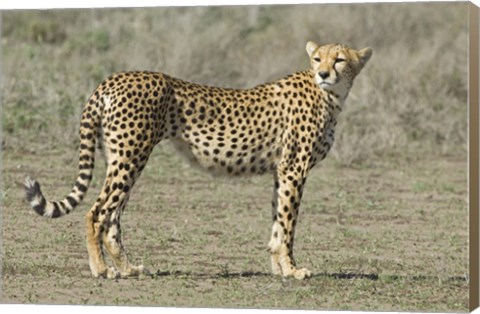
232	158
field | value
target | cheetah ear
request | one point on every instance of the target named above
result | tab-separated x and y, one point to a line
364	55
311	47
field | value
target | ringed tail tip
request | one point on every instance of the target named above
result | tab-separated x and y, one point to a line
34	195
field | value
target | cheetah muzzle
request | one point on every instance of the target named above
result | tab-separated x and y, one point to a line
284	127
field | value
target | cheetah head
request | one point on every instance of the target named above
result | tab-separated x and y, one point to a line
335	66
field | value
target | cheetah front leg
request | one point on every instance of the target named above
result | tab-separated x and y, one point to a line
287	195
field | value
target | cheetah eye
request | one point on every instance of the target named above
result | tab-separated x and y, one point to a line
317	59
338	60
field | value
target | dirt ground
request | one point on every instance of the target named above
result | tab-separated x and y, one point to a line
389	235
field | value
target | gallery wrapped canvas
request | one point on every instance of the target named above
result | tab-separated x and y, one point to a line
100	207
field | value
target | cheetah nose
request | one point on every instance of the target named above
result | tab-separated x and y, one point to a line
323	74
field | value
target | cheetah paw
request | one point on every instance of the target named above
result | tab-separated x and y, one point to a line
112	273
301	274
136	271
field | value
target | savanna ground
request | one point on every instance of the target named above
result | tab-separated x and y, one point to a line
383	222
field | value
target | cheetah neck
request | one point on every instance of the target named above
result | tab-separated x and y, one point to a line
335	102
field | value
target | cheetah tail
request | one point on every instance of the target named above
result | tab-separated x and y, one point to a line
53	209
88	133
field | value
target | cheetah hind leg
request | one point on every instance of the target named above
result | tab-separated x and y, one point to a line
94	242
103	227
113	244
119	257
95	251
111	235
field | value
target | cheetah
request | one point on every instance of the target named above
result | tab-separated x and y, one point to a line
284	128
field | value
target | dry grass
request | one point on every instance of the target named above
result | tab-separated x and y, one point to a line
411	97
